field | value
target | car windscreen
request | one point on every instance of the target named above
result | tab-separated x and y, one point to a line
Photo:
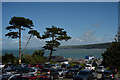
59	69
45	70
32	70
88	66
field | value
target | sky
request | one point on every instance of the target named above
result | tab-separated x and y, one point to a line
85	22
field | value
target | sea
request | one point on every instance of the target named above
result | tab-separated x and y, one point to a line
67	53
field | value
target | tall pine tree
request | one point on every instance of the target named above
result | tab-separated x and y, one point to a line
17	24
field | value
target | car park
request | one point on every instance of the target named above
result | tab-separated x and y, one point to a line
85	74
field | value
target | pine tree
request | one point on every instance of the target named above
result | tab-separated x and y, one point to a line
18	24
55	35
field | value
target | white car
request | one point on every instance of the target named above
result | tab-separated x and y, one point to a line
100	69
89	66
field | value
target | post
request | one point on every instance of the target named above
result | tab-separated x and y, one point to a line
20	45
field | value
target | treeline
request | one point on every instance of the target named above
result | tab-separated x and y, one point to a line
90	46
35	58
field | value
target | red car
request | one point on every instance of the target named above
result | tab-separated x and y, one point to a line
39	65
30	77
32	65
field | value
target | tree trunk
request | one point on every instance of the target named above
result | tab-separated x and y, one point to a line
19	45
26	45
51	50
50	55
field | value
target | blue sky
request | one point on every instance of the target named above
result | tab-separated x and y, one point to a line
85	22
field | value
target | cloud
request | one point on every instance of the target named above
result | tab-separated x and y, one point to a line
8	43
88	37
98	24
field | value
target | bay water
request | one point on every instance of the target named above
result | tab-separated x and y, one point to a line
67	53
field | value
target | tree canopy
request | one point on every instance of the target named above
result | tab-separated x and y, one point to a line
111	57
55	35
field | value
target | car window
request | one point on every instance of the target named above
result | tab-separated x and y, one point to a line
100	67
45	70
21	78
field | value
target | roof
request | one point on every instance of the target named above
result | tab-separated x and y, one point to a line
86	70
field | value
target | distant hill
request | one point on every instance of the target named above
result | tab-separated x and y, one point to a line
89	46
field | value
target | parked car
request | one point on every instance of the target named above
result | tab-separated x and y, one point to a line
32	65
20	69
45	71
113	69
85	74
5	76
62	71
54	73
10	70
13	77
55	66
108	75
65	66
78	67
47	65
33	71
100	69
89	67
71	72
32	77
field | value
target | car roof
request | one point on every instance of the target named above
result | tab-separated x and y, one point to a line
86	70
108	71
30	76
100	66
61	68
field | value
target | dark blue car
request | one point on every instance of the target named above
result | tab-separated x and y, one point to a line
85	74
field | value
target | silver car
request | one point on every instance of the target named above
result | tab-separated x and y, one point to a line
62	71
